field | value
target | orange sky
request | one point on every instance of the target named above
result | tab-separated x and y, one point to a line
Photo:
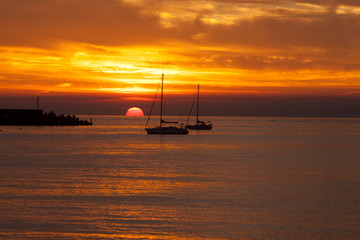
118	49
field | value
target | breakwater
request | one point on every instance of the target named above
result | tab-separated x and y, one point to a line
38	117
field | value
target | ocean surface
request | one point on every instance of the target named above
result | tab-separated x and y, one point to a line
248	178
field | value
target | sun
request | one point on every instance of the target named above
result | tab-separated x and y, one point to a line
134	111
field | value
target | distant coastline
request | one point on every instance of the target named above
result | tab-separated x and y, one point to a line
37	117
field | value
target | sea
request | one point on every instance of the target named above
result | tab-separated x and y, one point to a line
250	178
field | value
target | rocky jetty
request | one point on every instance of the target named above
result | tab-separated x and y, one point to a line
37	117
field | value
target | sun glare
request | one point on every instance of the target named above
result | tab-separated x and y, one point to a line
134	112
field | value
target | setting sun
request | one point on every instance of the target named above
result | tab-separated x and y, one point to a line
134	112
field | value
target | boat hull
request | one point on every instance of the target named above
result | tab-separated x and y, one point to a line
166	130
199	127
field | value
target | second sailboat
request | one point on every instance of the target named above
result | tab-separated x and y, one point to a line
200	125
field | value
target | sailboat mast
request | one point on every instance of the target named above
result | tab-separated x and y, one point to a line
37	102
161	101
197	107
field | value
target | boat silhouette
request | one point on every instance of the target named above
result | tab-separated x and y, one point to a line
165	127
200	125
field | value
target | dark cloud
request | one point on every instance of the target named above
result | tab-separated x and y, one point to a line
109	22
300	41
329	32
330	2
112	22
279	2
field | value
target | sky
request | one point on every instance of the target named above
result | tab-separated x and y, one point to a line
259	57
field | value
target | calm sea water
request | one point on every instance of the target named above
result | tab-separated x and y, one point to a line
248	178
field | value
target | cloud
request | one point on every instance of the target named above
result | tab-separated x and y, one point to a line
108	22
111	22
110	44
331	2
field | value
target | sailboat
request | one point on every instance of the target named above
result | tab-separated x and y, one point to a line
164	127
200	125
